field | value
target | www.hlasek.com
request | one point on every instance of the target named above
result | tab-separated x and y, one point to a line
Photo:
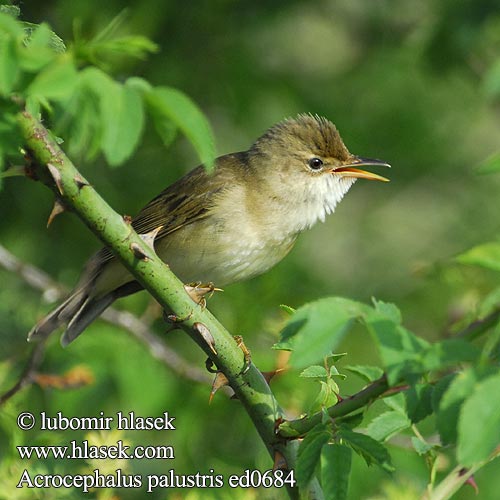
84	450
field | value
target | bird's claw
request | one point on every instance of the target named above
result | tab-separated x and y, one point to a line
246	353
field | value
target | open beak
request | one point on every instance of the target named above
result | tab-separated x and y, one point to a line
352	170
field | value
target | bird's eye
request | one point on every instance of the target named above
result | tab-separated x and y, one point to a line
315	163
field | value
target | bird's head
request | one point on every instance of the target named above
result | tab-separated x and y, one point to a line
304	161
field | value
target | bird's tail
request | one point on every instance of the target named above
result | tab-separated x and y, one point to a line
77	311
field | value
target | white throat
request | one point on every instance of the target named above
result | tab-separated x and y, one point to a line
318	200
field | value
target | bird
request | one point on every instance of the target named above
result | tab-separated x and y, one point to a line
229	224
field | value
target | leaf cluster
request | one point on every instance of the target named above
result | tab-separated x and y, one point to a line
88	109
451	385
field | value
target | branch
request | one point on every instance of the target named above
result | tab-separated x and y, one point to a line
298	427
479	326
155	276
456	478
26	378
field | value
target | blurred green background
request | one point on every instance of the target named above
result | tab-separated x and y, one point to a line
410	82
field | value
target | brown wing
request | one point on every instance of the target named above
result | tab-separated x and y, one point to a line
185	201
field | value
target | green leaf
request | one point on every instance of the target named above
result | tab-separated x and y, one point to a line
335	373
421	447
327	397
367	373
168	104
334	388
491	165
121	114
334	358
39	36
136	46
84	130
10	26
486	255
451	402
287	309
479	422
418	402
140	84
314	371
11	10
165	128
397	402
38	51
387	424
448	353
10	139
122	132
56	82
335	471
399	348
122	118
309	453
489	304
9	66
439	389
316	329
371	450
351	421
388	310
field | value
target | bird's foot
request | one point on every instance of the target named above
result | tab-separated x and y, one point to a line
246	353
198	292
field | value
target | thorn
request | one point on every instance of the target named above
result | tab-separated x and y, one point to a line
220	380
80	181
127	219
57	209
56	175
173	318
207	336
246	353
210	366
138	252
279	462
149	238
277	424
472	482
198	290
269	375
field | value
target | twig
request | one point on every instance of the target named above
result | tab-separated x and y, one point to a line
26	378
156	347
297	428
479	326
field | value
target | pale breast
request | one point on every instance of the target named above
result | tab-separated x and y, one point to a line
219	252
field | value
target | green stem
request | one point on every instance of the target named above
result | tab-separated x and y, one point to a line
296	428
156	277
456	479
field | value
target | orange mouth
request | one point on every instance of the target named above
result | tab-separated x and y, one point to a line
351	170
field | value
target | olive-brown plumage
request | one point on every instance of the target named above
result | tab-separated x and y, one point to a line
231	224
